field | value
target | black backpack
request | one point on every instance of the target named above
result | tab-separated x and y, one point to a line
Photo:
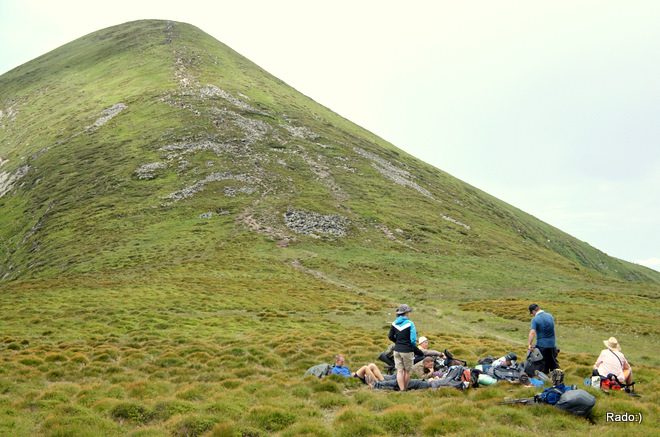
510	373
459	377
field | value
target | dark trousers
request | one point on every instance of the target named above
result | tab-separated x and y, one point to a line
549	359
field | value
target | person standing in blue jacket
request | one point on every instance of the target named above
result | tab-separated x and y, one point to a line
404	335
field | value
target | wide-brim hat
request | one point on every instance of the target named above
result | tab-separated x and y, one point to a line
403	309
612	343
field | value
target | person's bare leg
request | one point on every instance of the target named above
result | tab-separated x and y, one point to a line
628	374
400	379
406	379
369	370
376	372
362	371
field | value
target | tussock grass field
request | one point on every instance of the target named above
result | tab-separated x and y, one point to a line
150	284
141	356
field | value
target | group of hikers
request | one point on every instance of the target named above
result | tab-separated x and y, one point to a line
415	366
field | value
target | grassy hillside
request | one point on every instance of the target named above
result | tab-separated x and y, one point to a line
182	235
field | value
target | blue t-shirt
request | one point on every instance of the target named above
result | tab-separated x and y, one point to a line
544	324
343	371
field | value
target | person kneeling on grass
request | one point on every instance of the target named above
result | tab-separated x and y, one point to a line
370	370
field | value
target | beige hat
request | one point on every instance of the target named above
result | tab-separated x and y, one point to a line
612	344
422	340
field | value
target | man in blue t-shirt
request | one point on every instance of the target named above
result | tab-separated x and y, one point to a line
370	369
543	328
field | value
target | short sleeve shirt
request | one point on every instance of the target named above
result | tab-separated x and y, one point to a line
544	324
343	371
611	361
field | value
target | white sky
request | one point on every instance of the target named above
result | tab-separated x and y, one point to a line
552	106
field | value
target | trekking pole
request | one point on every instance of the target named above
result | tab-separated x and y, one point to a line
525	401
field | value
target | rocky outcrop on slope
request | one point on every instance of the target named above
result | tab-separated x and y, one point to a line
312	224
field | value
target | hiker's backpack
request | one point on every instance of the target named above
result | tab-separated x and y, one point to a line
509	373
578	401
319	370
389	352
459	377
533	362
486	360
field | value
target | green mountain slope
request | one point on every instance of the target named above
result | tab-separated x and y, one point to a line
123	122
168	208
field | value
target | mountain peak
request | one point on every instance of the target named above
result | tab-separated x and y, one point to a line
158	119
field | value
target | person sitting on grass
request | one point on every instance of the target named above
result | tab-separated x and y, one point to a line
612	361
423	346
370	370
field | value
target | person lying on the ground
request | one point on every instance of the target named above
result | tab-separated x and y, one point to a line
370	370
460	378
508	360
424	369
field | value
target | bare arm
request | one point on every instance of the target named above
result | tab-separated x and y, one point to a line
532	334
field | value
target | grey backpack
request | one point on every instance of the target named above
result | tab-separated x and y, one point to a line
578	402
319	370
533	362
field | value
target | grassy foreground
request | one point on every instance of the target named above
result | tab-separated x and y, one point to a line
193	354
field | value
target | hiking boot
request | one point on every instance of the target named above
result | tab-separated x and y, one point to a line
370	381
474	379
524	380
542	376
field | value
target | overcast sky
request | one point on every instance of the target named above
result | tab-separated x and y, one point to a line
551	106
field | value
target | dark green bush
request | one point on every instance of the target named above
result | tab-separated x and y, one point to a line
131	411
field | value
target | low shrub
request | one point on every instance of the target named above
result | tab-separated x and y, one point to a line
195	393
193	426
401	420
330	400
146	389
309	428
163	410
131	411
442	425
327	386
271	418
31	361
55	358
